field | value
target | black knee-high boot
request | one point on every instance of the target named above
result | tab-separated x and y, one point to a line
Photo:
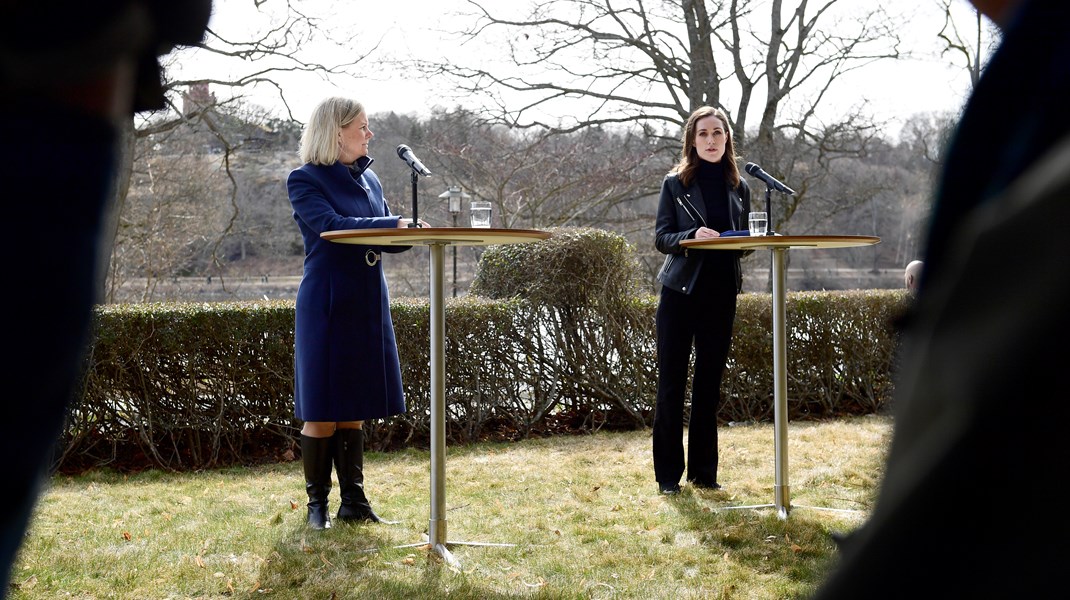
316	454
349	462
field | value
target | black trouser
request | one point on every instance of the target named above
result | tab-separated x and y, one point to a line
702	320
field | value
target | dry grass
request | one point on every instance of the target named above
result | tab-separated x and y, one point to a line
583	514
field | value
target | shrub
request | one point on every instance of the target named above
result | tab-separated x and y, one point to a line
556	337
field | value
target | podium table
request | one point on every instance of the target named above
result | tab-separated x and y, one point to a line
437	238
779	245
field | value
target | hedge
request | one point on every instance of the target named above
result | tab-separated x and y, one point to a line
555	337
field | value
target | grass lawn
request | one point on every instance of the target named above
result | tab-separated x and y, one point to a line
582	512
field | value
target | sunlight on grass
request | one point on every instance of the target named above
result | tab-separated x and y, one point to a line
582	513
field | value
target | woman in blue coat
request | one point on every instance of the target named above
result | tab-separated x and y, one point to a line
346	367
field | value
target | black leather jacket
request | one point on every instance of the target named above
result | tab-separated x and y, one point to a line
681	211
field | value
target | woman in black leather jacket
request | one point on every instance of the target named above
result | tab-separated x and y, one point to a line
701	197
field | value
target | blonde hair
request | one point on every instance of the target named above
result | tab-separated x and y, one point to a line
319	140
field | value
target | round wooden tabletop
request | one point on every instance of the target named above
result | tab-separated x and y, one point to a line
414	236
746	242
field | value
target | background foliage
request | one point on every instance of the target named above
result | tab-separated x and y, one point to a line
559	112
563	341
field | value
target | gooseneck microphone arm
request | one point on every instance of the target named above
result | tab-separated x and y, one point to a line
771	184
768	212
418	168
756	171
405	154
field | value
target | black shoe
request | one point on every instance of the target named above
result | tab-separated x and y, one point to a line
669	489
705	485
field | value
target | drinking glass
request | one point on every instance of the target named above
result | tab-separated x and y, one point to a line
480	213
758	224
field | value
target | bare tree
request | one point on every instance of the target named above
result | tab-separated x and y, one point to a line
254	60
571	65
652	63
928	135
972	42
169	219
536	179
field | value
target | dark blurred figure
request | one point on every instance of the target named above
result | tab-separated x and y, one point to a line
70	73
969	504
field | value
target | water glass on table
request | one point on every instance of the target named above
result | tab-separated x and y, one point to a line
758	223
480	213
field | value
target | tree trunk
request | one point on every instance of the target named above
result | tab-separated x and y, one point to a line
124	165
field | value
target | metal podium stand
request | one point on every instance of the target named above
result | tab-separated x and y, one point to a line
779	245
437	238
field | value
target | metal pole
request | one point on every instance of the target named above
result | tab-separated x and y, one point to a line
454	248
436	531
415	219
780	386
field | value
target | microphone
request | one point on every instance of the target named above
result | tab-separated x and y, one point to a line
756	171
405	153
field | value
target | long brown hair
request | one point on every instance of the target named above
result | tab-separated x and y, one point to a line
688	165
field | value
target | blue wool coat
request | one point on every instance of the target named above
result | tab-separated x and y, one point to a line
346	364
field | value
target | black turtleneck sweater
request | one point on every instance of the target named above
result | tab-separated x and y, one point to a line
718	268
711	183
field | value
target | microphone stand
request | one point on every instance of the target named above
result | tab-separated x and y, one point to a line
415	220
768	210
